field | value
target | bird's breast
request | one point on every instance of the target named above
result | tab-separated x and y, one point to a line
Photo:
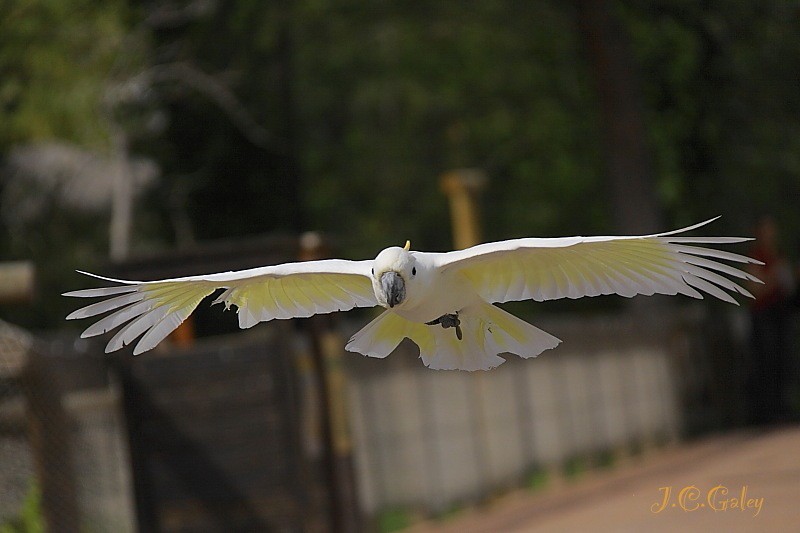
445	295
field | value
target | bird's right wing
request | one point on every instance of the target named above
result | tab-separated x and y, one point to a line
573	267
292	290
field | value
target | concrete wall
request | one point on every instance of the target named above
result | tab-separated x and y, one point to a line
429	439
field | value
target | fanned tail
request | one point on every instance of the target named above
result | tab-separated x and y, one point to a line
487	332
486	329
380	337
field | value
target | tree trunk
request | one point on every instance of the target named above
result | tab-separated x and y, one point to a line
629	168
122	198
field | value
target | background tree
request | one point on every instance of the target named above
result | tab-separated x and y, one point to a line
60	62
340	116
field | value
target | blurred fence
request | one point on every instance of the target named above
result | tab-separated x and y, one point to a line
430	440
232	432
64	454
16	462
216	437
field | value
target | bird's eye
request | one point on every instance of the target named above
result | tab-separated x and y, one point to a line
373	271
414	271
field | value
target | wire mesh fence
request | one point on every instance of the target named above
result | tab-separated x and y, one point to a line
421	439
17	477
201	439
63	461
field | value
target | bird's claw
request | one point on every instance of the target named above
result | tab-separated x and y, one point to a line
449	320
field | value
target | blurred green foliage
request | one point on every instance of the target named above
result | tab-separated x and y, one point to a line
723	110
58	60
538	478
340	116
394	519
62	64
30	519
575	467
394	97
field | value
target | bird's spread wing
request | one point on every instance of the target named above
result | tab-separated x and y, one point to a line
155	308
573	267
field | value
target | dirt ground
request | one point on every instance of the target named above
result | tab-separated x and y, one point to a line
747	481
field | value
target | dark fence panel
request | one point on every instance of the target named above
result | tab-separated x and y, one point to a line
215	439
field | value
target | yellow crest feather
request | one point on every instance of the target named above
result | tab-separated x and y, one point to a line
407	247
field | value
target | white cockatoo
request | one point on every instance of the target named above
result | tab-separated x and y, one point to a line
443	302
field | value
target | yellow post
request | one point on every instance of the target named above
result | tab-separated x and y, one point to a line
462	187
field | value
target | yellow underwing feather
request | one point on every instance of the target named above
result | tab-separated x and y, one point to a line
548	269
153	310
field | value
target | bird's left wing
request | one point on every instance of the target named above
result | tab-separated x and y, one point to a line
155	308
573	267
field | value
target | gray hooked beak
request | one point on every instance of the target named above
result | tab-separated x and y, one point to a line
393	287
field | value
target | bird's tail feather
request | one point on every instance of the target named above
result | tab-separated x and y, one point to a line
380	337
486	330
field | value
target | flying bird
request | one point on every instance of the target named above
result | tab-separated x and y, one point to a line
443	302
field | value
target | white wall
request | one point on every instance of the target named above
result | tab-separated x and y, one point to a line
430	439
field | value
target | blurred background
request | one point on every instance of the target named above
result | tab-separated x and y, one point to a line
152	139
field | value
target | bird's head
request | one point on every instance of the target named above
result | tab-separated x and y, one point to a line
394	273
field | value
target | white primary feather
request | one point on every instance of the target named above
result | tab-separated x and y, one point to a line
574	267
153	309
464	282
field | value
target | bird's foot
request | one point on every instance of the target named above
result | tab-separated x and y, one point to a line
449	320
